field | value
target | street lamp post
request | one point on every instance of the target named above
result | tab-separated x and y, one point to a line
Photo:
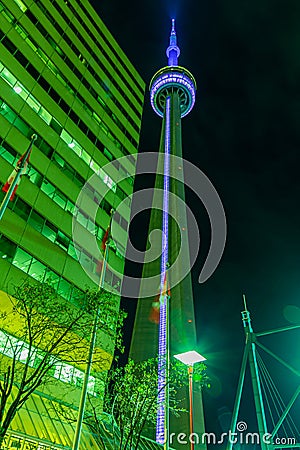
189	359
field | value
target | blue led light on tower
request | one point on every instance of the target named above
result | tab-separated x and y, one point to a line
171	79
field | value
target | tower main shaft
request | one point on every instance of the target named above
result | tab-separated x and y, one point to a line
172	96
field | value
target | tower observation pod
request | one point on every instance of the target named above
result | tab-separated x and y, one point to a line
171	81
173	331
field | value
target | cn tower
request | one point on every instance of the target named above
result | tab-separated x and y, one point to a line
172	96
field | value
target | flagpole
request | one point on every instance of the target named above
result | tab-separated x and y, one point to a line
83	397
18	170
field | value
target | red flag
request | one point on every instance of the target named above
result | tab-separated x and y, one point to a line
103	248
105	238
155	307
13	175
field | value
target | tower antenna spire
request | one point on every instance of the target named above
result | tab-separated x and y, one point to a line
245	303
173	50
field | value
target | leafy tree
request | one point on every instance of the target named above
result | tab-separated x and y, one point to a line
132	400
42	331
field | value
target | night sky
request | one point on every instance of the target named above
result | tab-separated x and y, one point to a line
244	134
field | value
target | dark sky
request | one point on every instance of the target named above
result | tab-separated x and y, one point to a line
244	134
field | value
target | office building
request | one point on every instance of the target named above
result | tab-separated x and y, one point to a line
64	78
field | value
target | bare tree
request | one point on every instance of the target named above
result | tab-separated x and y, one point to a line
132	400
42	331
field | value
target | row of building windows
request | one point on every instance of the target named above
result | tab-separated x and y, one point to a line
9	16
49	119
80	76
85	26
19	350
55	125
6	75
33	267
83	60
13	118
55	96
55	235
40	272
10	155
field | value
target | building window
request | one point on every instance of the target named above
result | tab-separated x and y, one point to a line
7	248
36	220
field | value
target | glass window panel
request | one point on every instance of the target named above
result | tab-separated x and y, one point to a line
45	148
8	76
21	5
56	126
7	155
60	199
86	260
94	166
36	221
71	250
36	178
70	206
108	277
91	226
108	154
37	270
22	209
86	157
22	260
31	101
76	148
7	112
45	115
82	218
49	231
58	160
7	248
62	240
21	91
48	188
69	172
66	136
64	288
100	233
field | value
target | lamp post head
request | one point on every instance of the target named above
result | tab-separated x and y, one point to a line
190	358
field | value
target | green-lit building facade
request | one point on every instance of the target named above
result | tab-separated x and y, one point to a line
64	78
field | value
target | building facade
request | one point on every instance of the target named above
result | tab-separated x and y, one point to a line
64	78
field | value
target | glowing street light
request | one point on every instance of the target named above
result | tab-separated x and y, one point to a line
189	359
